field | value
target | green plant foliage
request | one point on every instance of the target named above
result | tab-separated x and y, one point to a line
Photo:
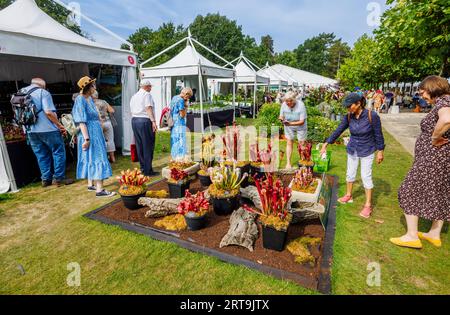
320	128
268	117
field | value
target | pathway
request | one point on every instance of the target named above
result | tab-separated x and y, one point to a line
404	127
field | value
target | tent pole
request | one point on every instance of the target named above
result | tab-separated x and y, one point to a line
234	96
201	97
163	52
9	171
254	99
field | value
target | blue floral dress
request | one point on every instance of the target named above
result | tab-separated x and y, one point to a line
178	134
93	163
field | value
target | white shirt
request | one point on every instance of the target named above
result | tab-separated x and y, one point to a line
139	103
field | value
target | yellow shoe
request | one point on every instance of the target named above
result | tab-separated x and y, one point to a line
411	244
433	241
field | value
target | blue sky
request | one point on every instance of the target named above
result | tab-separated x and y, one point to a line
289	22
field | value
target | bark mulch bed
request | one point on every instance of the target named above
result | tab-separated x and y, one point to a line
207	240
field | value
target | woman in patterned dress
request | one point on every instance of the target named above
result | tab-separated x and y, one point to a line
93	163
425	192
178	107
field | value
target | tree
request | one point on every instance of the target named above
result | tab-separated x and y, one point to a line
56	11
148	43
417	32
359	69
336	54
288	58
312	55
219	34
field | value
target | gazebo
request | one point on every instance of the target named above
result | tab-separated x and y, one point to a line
303	77
190	65
33	44
247	74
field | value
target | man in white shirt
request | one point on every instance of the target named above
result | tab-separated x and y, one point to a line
144	126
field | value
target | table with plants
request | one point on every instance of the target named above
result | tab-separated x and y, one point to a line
243	212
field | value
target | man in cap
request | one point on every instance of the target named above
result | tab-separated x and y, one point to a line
144	126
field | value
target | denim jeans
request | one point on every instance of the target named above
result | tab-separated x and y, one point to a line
48	146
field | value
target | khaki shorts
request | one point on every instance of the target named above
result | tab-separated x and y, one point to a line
302	133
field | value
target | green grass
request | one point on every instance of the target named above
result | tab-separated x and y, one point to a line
43	230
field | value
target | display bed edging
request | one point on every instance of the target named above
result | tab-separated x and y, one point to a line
324	281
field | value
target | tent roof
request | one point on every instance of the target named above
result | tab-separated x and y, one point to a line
187	63
246	75
303	77
275	77
26	30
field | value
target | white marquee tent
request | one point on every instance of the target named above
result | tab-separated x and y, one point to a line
303	77
247	73
188	65
276	79
33	44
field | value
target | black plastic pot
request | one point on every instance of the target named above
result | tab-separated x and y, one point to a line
131	202
273	239
226	206
196	223
205	180
177	191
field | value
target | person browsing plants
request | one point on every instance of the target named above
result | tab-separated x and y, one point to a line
366	138
293	116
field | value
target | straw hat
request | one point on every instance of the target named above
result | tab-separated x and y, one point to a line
84	81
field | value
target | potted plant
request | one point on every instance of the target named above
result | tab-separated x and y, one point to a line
184	164
263	161
132	187
207	160
225	189
305	150
274	215
178	182
305	188
194	208
231	143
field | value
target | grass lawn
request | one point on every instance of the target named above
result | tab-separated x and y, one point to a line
42	230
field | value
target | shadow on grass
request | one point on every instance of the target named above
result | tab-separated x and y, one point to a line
425	225
382	188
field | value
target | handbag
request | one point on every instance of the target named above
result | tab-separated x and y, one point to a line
134	156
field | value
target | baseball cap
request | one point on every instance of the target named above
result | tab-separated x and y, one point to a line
351	99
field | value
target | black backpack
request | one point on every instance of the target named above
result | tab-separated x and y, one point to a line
25	111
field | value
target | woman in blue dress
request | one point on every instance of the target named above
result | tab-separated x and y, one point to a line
93	163
178	107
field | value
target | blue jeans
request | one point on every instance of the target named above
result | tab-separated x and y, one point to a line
48	145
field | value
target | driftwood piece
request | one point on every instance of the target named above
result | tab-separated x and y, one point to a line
306	210
159	207
243	230
251	192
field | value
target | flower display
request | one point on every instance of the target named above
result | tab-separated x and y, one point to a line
132	182
231	142
177	175
304	181
264	158
12	132
304	150
226	181
196	204
274	200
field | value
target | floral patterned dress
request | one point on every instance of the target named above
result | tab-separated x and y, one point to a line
425	192
178	133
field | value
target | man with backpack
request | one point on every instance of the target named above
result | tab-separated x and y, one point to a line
45	135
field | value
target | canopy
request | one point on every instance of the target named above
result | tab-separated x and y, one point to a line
26	30
188	63
303	77
246	72
275	78
32	44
